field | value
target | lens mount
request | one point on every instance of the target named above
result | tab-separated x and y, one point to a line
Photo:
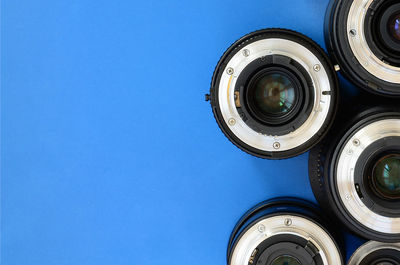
274	93
342	173
376	253
360	38
283	229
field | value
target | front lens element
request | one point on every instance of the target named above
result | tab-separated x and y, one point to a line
394	27
386	176
274	94
285	260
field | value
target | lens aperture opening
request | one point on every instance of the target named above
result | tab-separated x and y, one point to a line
274	94
285	260
386	177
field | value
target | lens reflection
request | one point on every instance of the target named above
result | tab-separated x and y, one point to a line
274	94
394	27
386	176
285	260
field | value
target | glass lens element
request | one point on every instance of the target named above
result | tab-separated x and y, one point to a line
274	94
394	27
285	260
386	176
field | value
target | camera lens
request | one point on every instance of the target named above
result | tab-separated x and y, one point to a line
274	93
286	260
284	231
364	39
355	174
376	253
394	27
386	177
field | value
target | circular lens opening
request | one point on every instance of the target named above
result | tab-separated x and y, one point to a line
274	94
394	27
386	176
286	260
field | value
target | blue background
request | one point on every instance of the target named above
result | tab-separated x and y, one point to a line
109	153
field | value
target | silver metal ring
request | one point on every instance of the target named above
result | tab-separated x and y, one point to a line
320	80
360	48
278	225
369	248
347	160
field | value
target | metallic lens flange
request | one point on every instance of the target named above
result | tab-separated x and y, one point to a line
376	253
280	89
283	231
